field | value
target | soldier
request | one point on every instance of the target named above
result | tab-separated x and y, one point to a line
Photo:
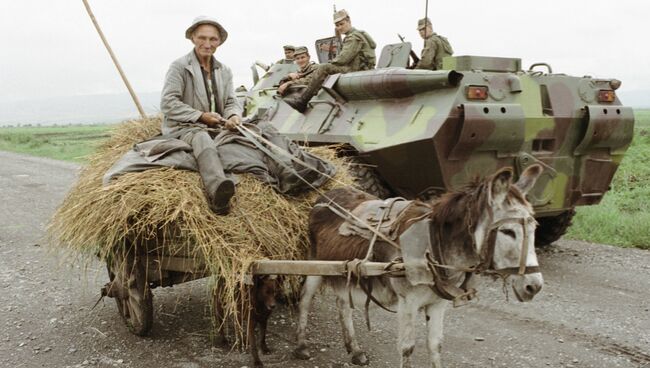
358	53
435	48
304	74
198	94
289	52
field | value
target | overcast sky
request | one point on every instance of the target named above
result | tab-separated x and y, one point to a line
50	47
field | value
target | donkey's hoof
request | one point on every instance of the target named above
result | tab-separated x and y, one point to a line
360	358
302	353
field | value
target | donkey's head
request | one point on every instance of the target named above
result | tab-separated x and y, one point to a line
505	233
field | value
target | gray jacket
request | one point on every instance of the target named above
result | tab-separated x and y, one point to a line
184	98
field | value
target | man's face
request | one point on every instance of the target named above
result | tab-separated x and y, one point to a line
426	32
288	54
302	59
343	26
206	40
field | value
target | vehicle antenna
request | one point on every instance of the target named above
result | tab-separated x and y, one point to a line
426	14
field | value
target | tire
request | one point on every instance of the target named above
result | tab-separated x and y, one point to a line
552	228
367	179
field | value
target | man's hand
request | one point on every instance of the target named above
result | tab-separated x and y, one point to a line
283	87
211	119
293	76
233	122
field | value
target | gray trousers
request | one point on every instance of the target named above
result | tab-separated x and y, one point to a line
206	154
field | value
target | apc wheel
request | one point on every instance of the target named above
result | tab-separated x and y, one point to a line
552	228
132	294
366	178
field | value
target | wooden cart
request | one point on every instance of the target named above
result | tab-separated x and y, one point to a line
132	277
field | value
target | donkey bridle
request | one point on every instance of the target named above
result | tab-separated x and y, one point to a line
446	289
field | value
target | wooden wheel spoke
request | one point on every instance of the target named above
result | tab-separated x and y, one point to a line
136	307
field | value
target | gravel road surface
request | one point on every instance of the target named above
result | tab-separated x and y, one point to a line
594	310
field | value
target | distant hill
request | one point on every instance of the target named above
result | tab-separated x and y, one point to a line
90	109
97	109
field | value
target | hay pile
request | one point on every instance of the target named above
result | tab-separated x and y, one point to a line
168	208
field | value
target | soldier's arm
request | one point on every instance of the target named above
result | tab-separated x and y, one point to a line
428	56
437	59
351	47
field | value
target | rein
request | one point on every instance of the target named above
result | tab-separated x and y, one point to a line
447	290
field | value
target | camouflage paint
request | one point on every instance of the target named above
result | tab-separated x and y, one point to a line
424	135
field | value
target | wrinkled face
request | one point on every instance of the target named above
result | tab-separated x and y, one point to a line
288	54
301	59
514	226
206	40
426	32
343	26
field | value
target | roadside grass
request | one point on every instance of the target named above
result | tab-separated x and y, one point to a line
69	143
623	216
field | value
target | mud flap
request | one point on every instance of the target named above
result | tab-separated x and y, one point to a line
415	242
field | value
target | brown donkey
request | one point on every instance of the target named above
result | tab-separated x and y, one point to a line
488	227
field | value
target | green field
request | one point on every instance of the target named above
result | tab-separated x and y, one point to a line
70	143
622	218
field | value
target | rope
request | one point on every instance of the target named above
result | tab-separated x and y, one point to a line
252	136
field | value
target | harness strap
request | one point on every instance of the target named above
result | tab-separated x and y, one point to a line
346	215
447	290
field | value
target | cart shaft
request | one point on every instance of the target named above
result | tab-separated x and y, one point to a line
325	268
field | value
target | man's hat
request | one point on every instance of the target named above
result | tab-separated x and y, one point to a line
340	15
423	23
301	50
203	19
289	47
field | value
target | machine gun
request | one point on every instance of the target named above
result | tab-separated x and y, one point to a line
337	36
413	55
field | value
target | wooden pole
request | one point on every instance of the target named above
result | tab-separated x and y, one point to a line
117	64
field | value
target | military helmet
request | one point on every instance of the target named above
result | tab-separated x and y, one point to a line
289	47
422	23
340	15
301	50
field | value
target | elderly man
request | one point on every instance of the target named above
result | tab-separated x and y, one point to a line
305	72
358	53
435	48
197	95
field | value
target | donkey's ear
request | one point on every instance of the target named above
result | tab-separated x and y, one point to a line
528	178
500	185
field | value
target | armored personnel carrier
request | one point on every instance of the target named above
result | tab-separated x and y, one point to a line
418	133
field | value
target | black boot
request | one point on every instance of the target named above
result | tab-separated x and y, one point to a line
300	103
219	188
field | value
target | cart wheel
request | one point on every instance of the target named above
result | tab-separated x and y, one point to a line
133	295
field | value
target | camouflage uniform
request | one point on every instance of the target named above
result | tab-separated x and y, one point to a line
357	53
432	54
434	49
307	73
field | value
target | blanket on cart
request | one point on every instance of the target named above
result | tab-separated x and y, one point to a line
287	174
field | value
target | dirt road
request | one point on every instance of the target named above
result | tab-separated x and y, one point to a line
594	310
